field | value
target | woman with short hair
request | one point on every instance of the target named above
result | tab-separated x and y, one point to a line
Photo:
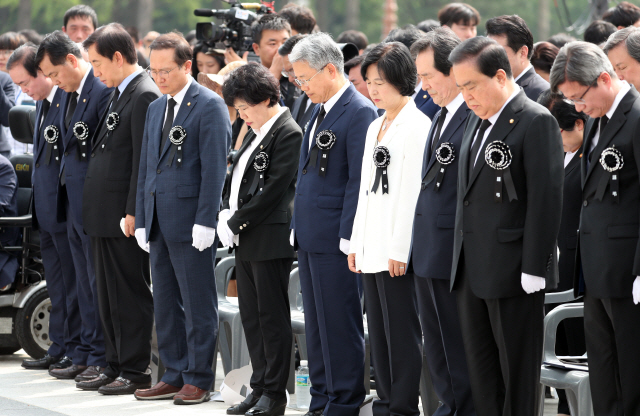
381	234
257	210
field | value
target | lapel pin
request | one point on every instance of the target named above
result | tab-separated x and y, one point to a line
58	105
261	146
189	103
511	121
424	96
580	154
84	100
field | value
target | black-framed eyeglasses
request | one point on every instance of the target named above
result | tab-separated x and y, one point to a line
581	99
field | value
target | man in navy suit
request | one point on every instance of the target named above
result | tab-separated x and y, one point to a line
183	165
513	34
433	227
54	243
86	97
325	205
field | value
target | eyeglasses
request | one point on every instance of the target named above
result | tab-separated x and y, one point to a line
580	100
287	74
305	82
163	73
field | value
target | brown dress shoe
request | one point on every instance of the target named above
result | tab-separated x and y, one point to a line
123	386
89	373
160	391
96	383
68	373
191	395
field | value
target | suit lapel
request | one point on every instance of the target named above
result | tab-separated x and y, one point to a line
51	115
188	103
465	151
83	103
574	162
617	121
506	122
457	122
267	138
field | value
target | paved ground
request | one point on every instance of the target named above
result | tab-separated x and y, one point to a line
35	393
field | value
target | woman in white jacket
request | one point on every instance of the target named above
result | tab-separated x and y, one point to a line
381	235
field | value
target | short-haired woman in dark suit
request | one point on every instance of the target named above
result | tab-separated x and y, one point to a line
257	208
381	235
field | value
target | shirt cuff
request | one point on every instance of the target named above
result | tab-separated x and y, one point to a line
344	246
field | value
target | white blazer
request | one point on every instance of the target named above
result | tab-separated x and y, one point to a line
383	223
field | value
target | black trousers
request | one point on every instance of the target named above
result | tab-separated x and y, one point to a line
263	297
503	343
396	342
126	306
612	331
443	347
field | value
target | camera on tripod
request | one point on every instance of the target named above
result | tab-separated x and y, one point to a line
235	31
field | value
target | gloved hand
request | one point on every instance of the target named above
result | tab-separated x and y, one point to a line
292	237
636	290
224	232
203	237
141	238
532	284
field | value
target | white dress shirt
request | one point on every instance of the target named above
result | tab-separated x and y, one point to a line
623	91
416	90
493	120
239	168
178	98
383	222
84	79
568	156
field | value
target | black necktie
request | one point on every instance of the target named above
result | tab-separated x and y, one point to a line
476	144
592	146
114	100
45	110
168	123
73	103
320	117
436	137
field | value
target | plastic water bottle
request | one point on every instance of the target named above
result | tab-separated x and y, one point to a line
303	386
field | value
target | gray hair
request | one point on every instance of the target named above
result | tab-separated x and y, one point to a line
318	50
630	36
580	62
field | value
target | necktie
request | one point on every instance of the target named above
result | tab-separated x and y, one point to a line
45	110
436	137
476	145
73	103
168	123
603	123
114	100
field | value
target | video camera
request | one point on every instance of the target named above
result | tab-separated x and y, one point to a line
235	32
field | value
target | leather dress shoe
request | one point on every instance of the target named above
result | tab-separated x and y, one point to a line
63	363
314	412
190	394
40	363
160	391
96	383
68	373
268	407
123	386
89	373
242	408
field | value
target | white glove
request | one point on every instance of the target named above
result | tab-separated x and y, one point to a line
141	238
532	284
203	237
224	232
344	246
292	237
636	290
122	226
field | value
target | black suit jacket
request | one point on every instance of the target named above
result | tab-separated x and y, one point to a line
568	235
7	101
300	113
112	177
262	221
532	84
503	240
608	246
432	239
